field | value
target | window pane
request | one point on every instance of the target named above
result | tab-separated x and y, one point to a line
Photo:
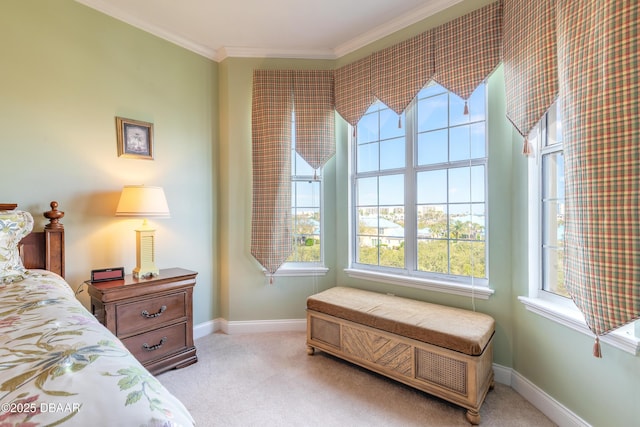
367	191
432	112
459	221
459	181
367	157
433	147
552	267
432	221
478	141
477	184
367	250
306	235
392	190
389	124
306	193
478	222
392	154
459	143
468	257
368	128
553	173
553	223
456	111
432	187
368	222
433	256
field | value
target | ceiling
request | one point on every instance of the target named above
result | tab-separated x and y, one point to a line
217	29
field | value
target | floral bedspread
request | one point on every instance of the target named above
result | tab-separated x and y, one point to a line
60	366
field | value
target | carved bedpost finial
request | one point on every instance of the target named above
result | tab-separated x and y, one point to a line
54	216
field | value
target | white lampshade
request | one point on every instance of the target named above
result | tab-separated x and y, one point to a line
143	201
146	202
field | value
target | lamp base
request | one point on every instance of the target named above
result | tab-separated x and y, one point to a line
146	273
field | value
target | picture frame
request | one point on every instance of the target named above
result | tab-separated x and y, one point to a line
135	138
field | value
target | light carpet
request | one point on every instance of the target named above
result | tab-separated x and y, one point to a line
269	380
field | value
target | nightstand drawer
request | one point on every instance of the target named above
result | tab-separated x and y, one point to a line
149	313
158	343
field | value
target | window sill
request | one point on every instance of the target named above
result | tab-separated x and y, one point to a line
622	338
481	292
299	271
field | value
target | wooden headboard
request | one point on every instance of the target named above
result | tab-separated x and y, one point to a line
43	249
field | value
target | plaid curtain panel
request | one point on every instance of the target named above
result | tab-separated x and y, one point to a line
272	106
530	61
400	71
468	49
353	94
598	73
314	109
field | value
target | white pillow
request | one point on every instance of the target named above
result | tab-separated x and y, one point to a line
14	225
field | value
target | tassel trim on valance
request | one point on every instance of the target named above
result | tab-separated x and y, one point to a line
597	352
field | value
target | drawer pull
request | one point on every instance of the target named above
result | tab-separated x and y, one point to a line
154	347
146	314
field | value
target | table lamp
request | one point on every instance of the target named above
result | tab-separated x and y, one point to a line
146	202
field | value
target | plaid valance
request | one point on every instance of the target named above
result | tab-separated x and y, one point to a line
353	90
530	61
459	55
598	75
468	49
315	122
400	71
272	106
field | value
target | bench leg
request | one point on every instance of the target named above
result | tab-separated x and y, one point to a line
473	417
310	350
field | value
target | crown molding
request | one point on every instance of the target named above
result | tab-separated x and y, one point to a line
120	15
388	28
218	55
253	52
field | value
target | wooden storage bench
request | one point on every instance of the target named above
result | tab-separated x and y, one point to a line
444	351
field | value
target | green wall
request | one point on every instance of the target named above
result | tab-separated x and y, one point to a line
66	72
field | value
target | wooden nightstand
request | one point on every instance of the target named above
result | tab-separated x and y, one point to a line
152	317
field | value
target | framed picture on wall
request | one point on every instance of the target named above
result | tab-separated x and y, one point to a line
135	138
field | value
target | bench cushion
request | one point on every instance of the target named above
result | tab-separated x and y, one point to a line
452	328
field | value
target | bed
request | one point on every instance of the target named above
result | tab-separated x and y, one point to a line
58	364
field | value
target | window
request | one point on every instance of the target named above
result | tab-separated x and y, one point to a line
306	187
419	191
551	203
548	296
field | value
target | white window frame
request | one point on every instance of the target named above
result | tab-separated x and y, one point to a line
544	303
470	287
299	268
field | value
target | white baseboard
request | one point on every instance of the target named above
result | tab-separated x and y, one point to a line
553	409
262	326
207	328
557	412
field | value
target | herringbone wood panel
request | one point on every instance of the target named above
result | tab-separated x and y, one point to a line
383	351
